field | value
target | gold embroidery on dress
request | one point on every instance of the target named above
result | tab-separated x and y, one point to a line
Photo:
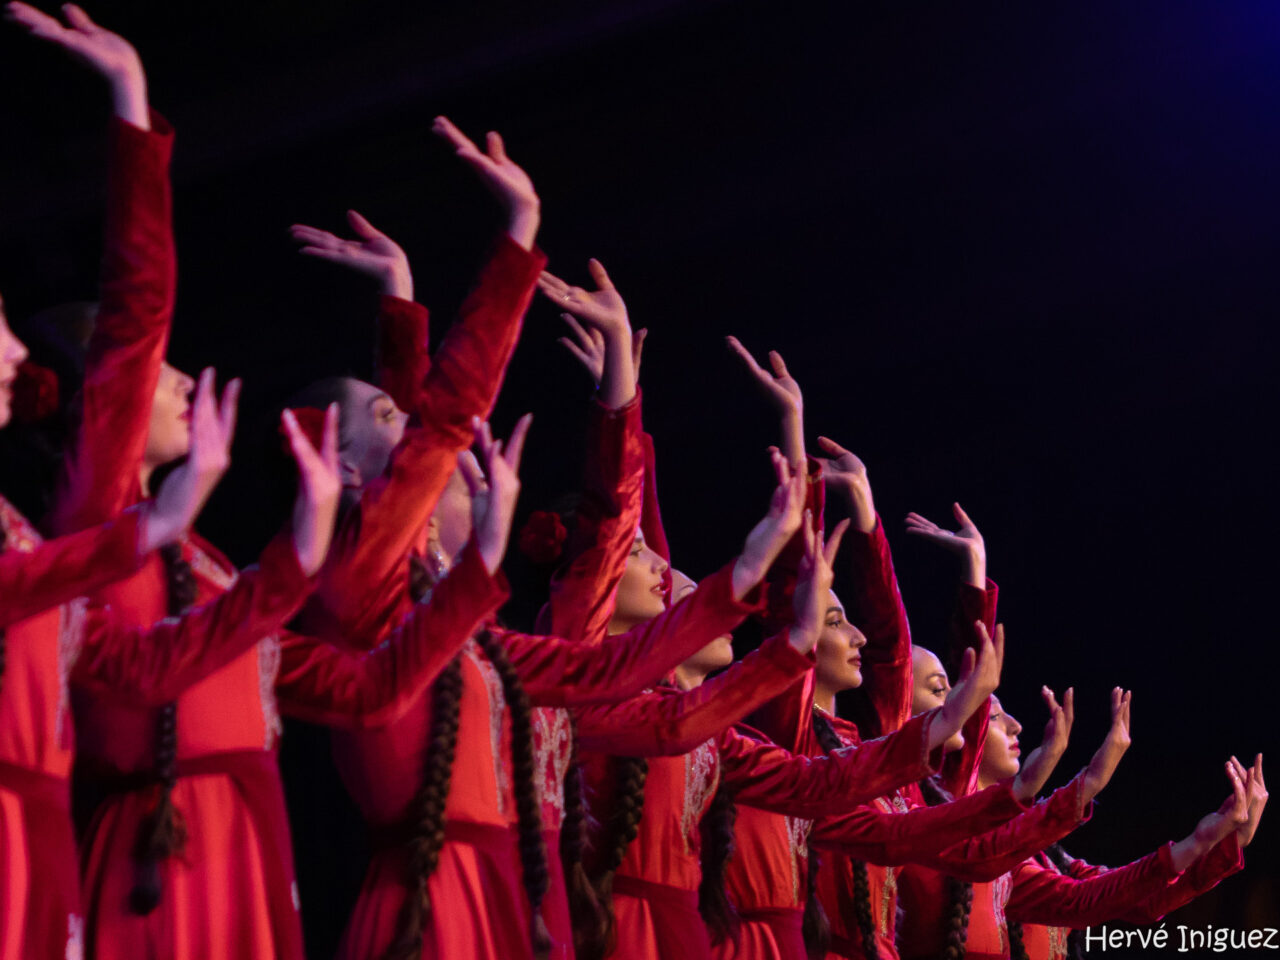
701	777
1058	942
1001	890
553	746
798	840
888	900
497	711
71	618
268	670
209	569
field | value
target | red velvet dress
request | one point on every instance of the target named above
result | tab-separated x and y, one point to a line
50	640
1050	942
655	890
231	894
479	865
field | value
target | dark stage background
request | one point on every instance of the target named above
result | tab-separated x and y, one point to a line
1019	257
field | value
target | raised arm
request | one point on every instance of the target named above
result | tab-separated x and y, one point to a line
131	332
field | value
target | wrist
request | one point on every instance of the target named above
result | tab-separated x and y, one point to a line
397	281
523	221
129	98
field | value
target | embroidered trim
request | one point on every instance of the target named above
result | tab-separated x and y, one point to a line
1058	942
888	900
798	840
701	777
20	535
209	569
71	617
268	670
497	711
553	746
1001	890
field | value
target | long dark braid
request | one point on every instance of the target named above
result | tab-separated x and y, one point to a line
1062	860
961	890
584	906
1017	948
428	812
830	742
717	909
533	850
624	825
162	833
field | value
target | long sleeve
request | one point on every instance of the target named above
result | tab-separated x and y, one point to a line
960	769
155	664
557	672
131	332
766	776
673	724
362	590
875	607
655	534
1042	895
582	593
891	839
64	568
321	683
780	581
401	360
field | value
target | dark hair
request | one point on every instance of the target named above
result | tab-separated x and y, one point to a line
815	942
624	823
4	539
961	891
162	834
714	904
584	906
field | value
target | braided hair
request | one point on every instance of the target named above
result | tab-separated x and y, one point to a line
630	773
714	905
961	891
584	906
830	742
162	834
1017	948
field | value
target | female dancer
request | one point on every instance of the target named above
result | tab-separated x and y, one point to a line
48	641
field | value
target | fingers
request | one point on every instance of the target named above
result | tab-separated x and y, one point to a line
78	18
599	275
584	337
515	445
736	346
961	517
999	647
37	22
1069	706
497	150
443	127
304	454
362	227
1050	700
831	446
778	364
472	475
227	409
637	348
810	537
552	286
968	661
781	470
833	542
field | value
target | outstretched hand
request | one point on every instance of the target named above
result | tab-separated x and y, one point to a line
372	253
1103	765
603	340
319	489
1256	791
107	53
770	535
843	470
979	678
1035	772
186	490
494	487
783	392
813	584
966	542
505	180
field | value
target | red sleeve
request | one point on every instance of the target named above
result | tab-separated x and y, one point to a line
876	608
670	725
154	665
960	769
582	593
766	776
362	586
1042	895
787	719
64	568
1203	875
996	851
892	839
131	333
780	581
321	683
400	355
558	672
